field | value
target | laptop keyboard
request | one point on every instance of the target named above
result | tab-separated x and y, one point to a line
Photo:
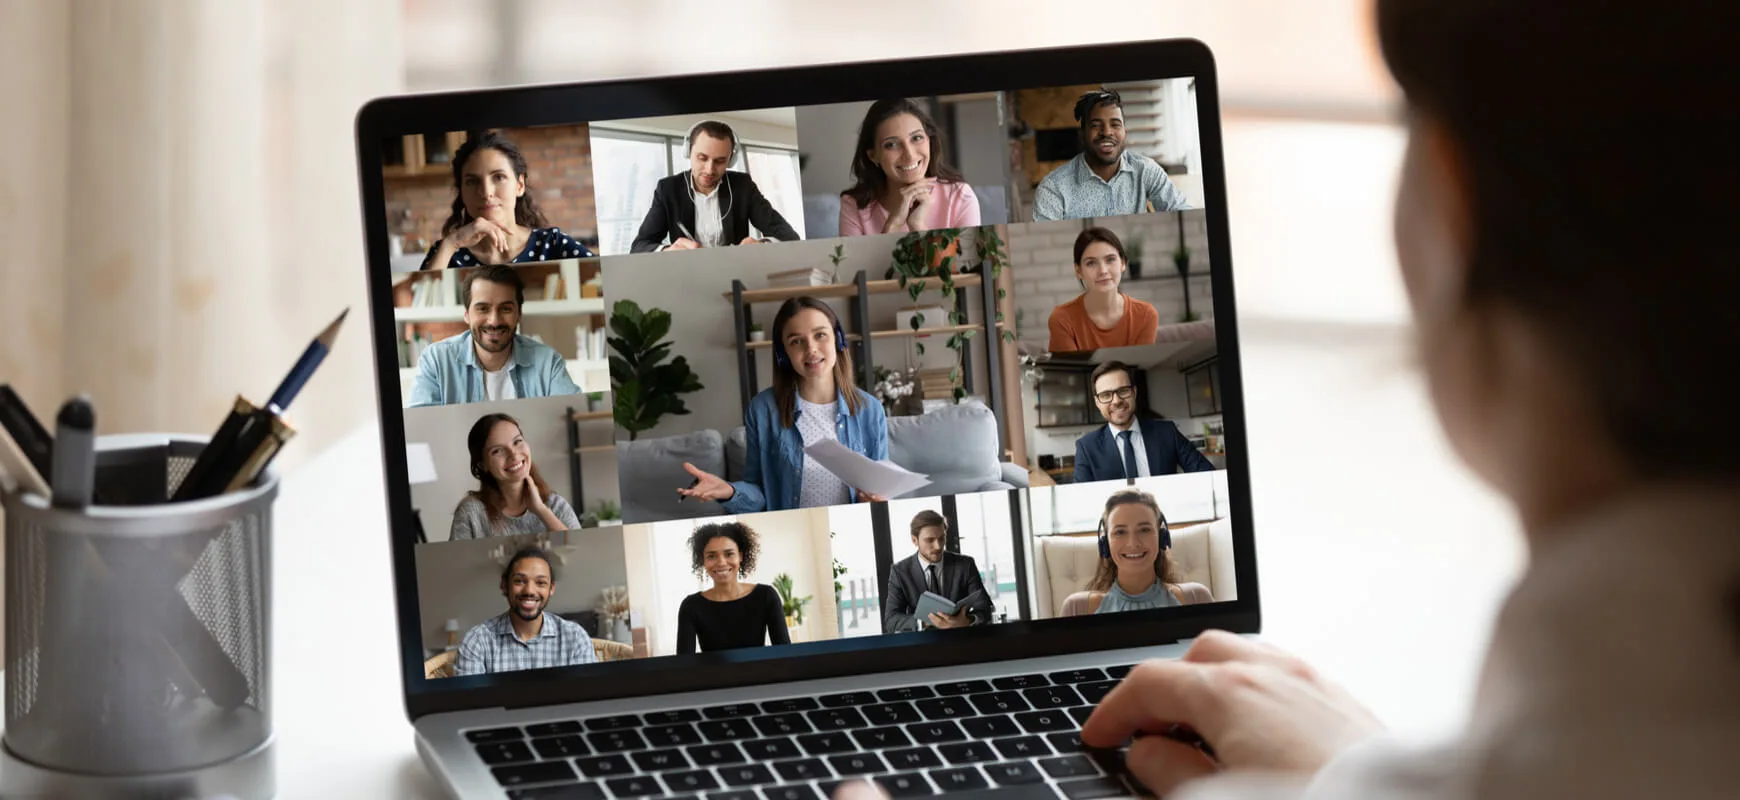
1015	736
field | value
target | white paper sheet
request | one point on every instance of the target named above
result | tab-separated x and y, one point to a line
876	477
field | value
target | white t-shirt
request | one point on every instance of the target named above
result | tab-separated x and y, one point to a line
499	385
820	488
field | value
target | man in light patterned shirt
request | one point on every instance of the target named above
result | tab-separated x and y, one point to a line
527	636
1104	180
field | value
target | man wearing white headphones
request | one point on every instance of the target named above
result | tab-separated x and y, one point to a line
707	205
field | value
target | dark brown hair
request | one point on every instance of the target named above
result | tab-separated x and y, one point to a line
526	211
494	273
488	492
868	181
713	128
1107	573
1091	235
785	380
748	544
525	553
1545	102
928	519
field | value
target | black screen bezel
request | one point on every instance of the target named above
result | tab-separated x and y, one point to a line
774	88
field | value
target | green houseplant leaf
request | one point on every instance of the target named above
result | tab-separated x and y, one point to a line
646	388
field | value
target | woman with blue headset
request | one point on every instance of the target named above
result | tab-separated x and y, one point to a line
813	398
1135	571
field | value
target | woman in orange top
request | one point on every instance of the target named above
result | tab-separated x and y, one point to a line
1103	316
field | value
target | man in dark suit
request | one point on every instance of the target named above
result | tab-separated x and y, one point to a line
706	205
1130	447
933	569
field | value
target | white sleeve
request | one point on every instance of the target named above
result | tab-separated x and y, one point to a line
1380	768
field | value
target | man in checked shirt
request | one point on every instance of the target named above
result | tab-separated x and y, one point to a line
526	636
1105	179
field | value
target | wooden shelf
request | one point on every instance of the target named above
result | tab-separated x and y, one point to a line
942	330
598	448
785	293
583	416
532	308
850	337
398	171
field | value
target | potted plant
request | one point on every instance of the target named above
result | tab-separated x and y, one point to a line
837	256
893	387
927	256
594	401
645	388
791	604
1181	262
609	513
1134	249
756	334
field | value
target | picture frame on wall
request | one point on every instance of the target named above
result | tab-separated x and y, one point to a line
1202	387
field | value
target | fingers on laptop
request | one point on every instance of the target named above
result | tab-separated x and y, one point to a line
865	789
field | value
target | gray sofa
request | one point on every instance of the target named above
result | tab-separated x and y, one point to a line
955	446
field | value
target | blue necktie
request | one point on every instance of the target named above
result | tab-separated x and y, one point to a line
1129	455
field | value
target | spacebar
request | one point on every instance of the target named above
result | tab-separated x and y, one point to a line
1031	791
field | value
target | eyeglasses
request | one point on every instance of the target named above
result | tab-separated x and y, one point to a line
1122	393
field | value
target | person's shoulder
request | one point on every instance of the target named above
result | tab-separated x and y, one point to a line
468	504
1142	308
1082	602
763	402
1193	592
690	601
768	593
963	558
1142	162
457	341
1087	439
483	631
671	183
871	405
961	189
532	348
1064	172
1155	426
905	562
556	500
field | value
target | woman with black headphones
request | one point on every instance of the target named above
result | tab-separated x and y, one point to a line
812	399
1135	572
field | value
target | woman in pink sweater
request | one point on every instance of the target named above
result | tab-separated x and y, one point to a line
901	178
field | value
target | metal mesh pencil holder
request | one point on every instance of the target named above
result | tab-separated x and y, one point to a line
138	634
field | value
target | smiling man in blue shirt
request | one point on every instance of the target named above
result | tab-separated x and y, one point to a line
1105	179
492	361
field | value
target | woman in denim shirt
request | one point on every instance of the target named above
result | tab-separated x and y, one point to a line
812	399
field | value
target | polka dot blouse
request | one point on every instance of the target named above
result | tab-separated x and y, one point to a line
545	244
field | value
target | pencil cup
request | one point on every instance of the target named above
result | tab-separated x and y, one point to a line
138	635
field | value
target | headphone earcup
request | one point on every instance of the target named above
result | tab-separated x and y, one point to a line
839	337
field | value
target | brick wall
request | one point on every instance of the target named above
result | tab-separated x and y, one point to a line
559	163
1041	258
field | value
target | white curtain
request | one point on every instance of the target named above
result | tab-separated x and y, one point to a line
179	186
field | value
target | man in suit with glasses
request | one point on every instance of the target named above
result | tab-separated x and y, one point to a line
1130	447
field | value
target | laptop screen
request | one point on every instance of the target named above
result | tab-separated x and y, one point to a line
750	384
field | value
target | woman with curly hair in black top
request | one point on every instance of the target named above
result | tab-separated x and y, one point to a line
733	613
495	217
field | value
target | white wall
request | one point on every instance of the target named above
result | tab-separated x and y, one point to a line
461	581
542	420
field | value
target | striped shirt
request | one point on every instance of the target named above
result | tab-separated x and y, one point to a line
1073	191
492	646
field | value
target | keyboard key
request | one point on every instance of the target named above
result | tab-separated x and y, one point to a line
1092	693
803	769
1078	675
962	687
958	780
881	738
727	730
1013	773
561	747
788	705
660	760
604	766
1071	766
966	752
844	699
891	713
679	735
731	711
536	772
822	744
488	735
672	717
1022	747
635	786
801	791
1111	762
999	703
1118	673
771	749
698	780
990	727
913	758
936	732
906	693
1092	788
734	794
505	753
1020	682
615	723
1081	713
837	719
746	775
1045	721
572	791
946	708
781	725
1066	741
619	741
856	763
553	728
708	755
1053	697
909	785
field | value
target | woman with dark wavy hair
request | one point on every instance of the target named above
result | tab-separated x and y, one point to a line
731	613
901	177
511	497
495	217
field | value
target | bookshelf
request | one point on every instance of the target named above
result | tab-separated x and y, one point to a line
532	308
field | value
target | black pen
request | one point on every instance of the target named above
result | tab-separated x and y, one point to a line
75	454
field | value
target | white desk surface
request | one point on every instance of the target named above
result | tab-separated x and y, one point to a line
1380	559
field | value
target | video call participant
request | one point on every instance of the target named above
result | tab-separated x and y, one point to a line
936	570
1130	446
732	613
491	361
495	217
812	398
901	177
1104	179
526	636
511	497
707	205
1102	315
1135	571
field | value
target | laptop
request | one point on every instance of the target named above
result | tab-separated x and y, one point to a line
692	388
